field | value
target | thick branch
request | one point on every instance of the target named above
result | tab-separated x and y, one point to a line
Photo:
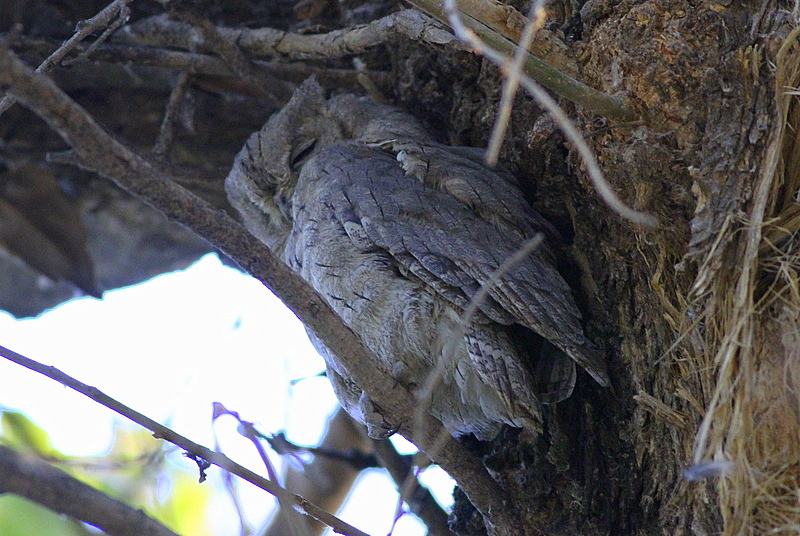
271	43
144	179
58	491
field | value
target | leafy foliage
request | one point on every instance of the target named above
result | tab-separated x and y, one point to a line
136	469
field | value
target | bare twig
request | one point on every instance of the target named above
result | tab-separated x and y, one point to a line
602	186
456	337
51	487
325	480
500	58
425	393
276	90
353	458
196	63
151	183
167	131
271	43
122	18
83	30
167	434
535	21
228	480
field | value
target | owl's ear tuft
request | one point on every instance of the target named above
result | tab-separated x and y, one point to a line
308	98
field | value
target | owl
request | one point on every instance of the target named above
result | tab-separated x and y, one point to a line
398	233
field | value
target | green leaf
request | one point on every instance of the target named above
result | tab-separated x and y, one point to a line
19	432
186	508
21	517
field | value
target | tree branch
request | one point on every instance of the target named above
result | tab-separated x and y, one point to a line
51	487
544	73
97	150
85	28
270	43
193	63
197	451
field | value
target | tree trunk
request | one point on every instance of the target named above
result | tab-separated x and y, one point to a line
698	315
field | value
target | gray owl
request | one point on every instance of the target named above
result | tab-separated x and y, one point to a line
398	233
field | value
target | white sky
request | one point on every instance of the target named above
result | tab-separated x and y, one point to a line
169	348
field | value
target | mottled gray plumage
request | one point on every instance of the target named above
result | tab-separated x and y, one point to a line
399	233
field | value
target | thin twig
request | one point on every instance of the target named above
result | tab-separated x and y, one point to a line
196	63
167	434
167	131
601	185
355	459
500	58
51	487
418	498
325	480
535	22
228	479
84	29
411	24
297	523
122	18
277	91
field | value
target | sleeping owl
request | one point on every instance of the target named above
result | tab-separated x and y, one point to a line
398	233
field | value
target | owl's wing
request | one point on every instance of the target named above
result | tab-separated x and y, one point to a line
448	246
493	194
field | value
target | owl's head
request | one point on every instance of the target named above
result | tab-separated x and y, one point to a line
265	172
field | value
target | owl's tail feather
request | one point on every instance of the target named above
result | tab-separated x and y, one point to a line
554	374
589	357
